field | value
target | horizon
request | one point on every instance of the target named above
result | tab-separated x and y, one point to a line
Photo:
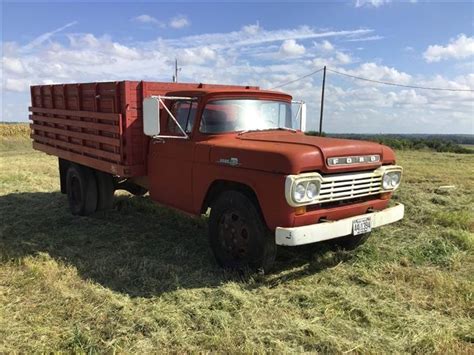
335	133
264	44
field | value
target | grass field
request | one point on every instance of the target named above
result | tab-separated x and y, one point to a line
142	278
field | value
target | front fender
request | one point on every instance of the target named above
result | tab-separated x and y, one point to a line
269	189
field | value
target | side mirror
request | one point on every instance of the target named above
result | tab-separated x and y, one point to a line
303	117
300	114
151	116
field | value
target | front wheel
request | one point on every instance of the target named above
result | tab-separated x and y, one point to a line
238	236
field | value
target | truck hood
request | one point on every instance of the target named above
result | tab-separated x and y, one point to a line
294	152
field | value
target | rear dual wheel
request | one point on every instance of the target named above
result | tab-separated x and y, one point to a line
81	190
88	191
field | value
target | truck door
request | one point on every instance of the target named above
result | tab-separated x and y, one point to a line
170	160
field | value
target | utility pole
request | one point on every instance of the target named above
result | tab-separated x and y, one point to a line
322	103
176	70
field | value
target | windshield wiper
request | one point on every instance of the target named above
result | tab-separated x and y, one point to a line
268	129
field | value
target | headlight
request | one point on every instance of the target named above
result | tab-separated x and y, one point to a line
302	189
391	180
312	190
299	192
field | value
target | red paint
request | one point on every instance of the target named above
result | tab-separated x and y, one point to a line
100	125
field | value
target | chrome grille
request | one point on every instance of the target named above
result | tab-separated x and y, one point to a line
348	186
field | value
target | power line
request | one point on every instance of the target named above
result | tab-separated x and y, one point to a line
372	81
401	85
297	79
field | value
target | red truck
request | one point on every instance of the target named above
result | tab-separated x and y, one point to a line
237	151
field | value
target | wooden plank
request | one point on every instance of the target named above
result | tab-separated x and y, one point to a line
114	169
74	113
68	122
90	150
87	136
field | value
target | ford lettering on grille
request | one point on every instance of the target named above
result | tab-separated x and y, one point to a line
356	159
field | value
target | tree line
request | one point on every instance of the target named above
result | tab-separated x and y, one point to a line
438	143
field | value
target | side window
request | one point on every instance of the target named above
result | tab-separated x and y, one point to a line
185	114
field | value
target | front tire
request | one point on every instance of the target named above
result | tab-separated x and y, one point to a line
81	190
238	236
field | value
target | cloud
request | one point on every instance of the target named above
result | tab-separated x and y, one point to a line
329	55
379	72
365	39
252	29
145	19
377	3
289	48
373	3
179	21
18	85
460	48
324	46
243	38
250	55
343	58
13	65
46	36
195	56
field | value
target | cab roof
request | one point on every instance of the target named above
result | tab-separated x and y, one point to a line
232	92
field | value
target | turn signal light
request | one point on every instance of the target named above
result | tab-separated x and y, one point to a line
385	195
300	210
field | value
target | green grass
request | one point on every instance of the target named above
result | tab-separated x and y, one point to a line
141	278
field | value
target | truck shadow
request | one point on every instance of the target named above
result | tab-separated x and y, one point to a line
138	248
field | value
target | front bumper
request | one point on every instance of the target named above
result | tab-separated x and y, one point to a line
334	229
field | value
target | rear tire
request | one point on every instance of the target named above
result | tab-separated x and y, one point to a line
81	190
238	236
105	191
63	167
349	242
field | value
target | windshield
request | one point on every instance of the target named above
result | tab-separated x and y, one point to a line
221	116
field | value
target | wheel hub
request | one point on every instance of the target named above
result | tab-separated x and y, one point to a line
234	234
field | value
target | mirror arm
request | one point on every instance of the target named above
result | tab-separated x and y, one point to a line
173	118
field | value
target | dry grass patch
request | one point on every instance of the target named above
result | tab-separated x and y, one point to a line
141	277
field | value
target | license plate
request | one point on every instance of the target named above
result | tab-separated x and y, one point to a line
361	225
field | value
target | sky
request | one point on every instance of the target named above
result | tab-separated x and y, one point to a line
413	43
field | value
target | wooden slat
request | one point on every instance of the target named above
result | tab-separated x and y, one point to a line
90	150
87	114
115	169
108	167
67	122
87	136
